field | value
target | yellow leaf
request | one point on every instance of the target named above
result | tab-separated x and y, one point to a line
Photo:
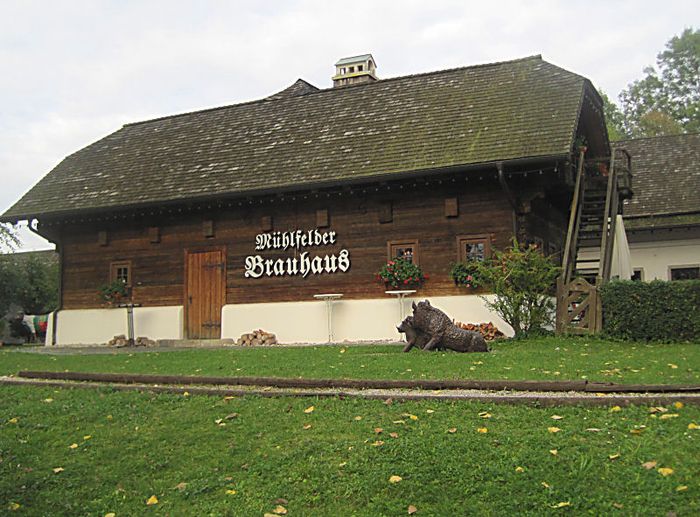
87	437
545	484
429	411
73	446
649	465
553	452
412	509
485	414
48	401
186	394
231	491
657	409
280	510
668	415
678	405
635	431
394	435
13	421
152	500
681	488
553	429
378	443
342	350
110	417
615	409
614	456
181	486
519	469
395	479
307	427
413	417
15	506
399	422
309	409
57	470
593	430
358	418
452	430
482	430
563	504
111	514
673	366
556	417
665	471
693	426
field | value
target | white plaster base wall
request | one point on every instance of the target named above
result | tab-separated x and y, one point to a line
656	258
353	320
97	326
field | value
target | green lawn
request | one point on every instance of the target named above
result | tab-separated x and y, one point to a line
541	359
130	446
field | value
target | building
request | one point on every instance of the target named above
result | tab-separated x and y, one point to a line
663	219
230	219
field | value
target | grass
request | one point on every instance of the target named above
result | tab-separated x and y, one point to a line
130	446
537	359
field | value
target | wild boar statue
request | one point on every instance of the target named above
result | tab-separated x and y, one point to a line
430	329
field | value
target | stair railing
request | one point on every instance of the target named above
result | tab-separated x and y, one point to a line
612	200
569	257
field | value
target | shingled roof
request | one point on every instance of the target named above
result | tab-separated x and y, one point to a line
666	182
304	138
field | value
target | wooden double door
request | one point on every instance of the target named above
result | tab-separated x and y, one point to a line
205	292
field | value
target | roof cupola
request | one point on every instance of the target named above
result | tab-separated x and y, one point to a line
355	70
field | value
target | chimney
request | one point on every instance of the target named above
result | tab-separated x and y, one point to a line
355	70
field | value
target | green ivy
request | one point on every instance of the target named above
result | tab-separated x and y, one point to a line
652	311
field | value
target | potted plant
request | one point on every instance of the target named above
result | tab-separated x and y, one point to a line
401	274
114	293
467	274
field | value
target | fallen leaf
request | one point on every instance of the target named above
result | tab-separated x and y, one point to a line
231	491
482	430
664	471
430	411
181	486
395	479
307	427
553	429
73	446
673	366
619	506
378	443
152	500
342	350
378	430
615	409
57	470
111	514
48	401
545	484
678	405
657	409
186	394
556	417
593	430
309	409
280	510
389	401
649	465
614	456
358	418
87	437
693	426
342	464
668	415
394	435
563	504
452	430
412	509
485	414
15	506
681	488
13	421
218	420
413	417
231	416
399	422
229	397
519	469
635	431
553	452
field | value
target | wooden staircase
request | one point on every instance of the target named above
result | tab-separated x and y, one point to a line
590	239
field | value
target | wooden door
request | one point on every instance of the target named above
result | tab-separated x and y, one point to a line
205	293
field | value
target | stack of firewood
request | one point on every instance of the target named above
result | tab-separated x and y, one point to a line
488	330
257	337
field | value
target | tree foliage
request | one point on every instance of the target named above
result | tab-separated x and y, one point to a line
614	119
29	281
8	238
522	280
667	99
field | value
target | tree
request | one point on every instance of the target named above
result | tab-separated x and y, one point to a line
614	119
667	99
8	238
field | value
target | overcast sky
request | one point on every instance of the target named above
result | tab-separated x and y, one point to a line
74	71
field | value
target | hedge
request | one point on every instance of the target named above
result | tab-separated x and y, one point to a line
652	311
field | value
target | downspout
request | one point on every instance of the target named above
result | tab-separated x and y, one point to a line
59	307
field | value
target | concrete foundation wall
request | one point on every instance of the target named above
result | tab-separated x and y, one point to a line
97	326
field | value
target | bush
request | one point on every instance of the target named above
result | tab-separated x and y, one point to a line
652	311
522	280
401	273
467	274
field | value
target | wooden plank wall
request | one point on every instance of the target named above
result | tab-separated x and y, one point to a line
158	267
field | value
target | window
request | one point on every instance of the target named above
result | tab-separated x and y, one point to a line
638	275
351	69
120	271
684	272
359	68
473	247
407	250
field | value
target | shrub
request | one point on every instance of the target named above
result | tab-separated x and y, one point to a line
467	274
522	280
400	273
652	311
114	293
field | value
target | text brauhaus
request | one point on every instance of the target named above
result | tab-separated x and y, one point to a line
302	264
